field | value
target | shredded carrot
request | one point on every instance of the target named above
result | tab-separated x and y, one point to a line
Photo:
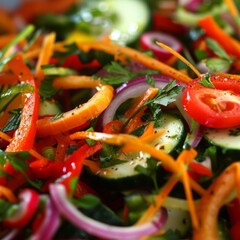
179	56
8	194
136	56
135	144
159	200
137	104
232	7
149	130
75	82
5	136
212	201
238	180
211	28
136	120
45	54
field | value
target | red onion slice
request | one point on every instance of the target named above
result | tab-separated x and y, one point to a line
11	235
132	89
148	42
49	224
98	229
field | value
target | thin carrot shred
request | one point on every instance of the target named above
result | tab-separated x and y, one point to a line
238	180
8	194
75	82
160	198
135	144
136	56
179	56
5	136
232	7
45	54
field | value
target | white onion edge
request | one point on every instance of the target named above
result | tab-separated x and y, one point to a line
98	229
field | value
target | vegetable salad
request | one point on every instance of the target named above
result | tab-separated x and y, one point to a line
120	119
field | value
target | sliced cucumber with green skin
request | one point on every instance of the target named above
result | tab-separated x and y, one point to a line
125	20
48	108
226	138
124	175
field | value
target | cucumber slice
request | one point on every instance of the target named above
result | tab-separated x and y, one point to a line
48	108
124	20
228	138
124	174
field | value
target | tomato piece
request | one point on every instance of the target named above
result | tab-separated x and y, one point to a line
217	107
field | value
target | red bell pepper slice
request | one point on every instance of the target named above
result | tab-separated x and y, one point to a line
71	168
24	136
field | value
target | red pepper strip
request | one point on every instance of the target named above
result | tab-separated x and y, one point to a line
70	168
24	136
212	30
27	207
74	62
166	24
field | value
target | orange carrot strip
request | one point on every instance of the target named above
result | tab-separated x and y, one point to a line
212	201
74	82
5	136
135	144
45	54
179	56
78	116
212	30
8	194
136	56
232	7
149	94
160	198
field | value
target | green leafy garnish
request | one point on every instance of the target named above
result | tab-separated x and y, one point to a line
18	162
217	64
150	170
118	74
206	81
57	116
14	121
47	91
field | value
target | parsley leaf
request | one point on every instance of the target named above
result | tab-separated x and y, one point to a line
118	74
47	91
217	64
217	49
206	81
18	162
14	121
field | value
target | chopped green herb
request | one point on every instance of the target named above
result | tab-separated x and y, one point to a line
206	81
14	121
47	91
57	116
